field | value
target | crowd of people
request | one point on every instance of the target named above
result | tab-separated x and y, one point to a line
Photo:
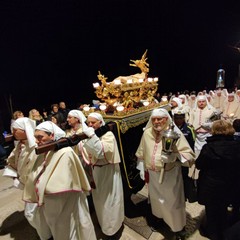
58	185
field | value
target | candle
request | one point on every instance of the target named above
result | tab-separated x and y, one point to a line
145	103
96	85
164	98
103	106
117	81
120	108
86	108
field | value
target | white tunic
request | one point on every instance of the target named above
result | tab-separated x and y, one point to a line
21	159
167	198
59	185
103	155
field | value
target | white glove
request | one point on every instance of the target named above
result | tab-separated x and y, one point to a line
167	158
140	167
207	125
89	131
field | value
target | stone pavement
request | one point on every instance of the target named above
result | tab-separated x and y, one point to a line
13	224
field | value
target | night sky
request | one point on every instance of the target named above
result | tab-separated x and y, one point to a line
52	50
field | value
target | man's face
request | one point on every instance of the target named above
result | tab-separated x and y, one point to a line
42	137
202	104
159	122
94	123
62	105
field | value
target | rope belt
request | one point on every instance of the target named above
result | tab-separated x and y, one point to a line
101	165
169	166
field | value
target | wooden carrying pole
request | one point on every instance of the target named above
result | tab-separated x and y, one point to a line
73	140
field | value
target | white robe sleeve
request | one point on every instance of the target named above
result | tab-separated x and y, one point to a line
94	145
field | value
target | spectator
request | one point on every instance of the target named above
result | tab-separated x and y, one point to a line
58	120
36	116
218	183
63	110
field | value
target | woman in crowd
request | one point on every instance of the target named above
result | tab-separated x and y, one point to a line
36	116
218	183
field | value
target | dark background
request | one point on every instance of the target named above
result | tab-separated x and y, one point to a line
52	50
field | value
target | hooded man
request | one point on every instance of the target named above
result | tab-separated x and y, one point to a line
102	154
59	186
22	157
163	171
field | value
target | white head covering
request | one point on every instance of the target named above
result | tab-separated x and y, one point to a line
49	126
178	101
202	98
98	116
211	93
225	92
183	96
28	125
77	114
231	94
159	112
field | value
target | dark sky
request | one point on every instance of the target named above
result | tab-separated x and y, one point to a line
52	50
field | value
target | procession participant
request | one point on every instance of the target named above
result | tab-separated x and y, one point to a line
199	117
17	114
218	99
186	108
230	108
211	94
209	98
22	157
102	155
176	105
59	186
163	171
192	99
237	93
75	121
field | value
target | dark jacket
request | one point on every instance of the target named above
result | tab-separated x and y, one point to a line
219	165
189	134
